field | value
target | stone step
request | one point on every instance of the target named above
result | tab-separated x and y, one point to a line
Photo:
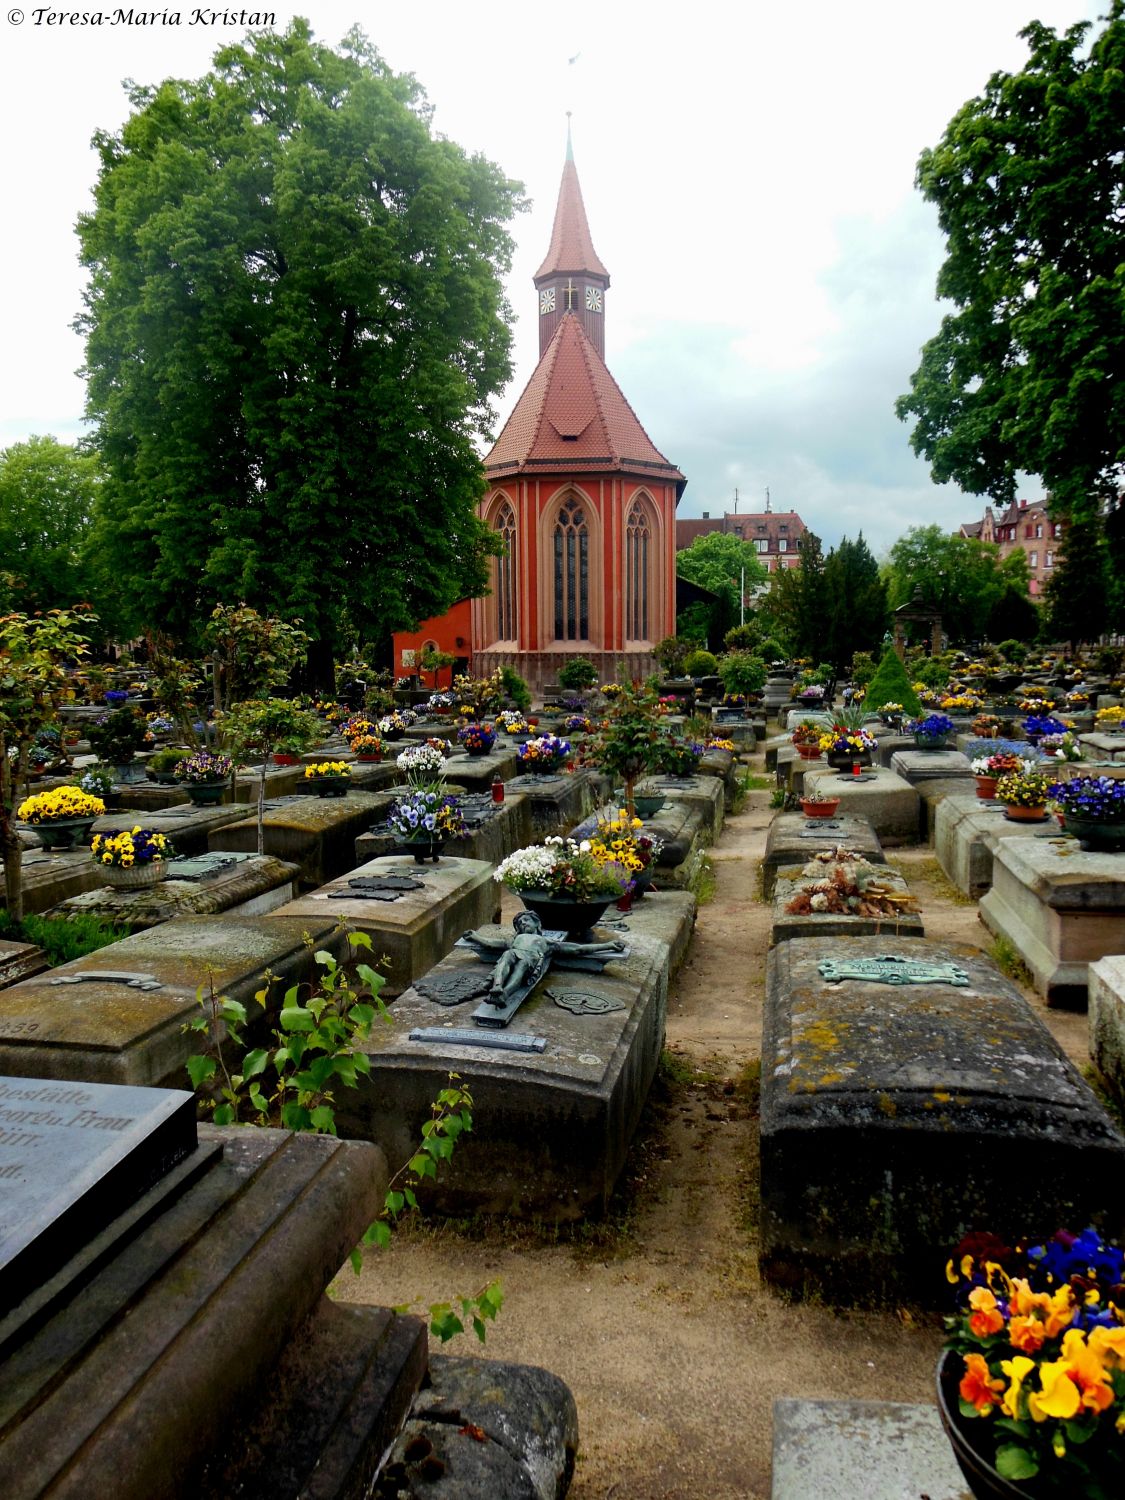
882	1450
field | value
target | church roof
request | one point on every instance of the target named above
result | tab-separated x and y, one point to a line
573	417
572	248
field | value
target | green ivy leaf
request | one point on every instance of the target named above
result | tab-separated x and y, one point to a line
254	1063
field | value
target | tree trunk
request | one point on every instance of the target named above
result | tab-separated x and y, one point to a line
262	804
11	850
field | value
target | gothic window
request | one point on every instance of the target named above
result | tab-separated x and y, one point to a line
505	525
638	548
572	574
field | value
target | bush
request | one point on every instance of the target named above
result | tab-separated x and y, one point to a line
891	684
672	652
167	760
771	649
741	638
933	671
863	668
1013	651
700	664
578	673
516	688
117	738
742	672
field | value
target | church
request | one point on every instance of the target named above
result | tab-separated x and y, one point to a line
583	500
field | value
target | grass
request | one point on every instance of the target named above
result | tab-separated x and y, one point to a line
1113	1106
1008	961
929	872
703	882
62	938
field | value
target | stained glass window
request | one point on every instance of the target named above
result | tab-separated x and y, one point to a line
506	622
638	539
572	574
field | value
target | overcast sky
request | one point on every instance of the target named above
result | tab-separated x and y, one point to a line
748	174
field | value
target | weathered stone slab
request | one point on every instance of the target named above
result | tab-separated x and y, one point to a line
1060	907
930	765
412	932
552	1128
113	1031
495	830
771	748
967	830
794	716
882	1450
931	795
557	803
685	831
888	803
476	773
889	745
240	884
1107	1022
72	1157
787	925
793	839
48	876
1102	746
317	834
704	792
721	763
895	1118
19	961
188	827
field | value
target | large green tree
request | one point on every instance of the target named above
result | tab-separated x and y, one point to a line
719	561
47	491
797	602
1026	372
295	324
964	579
856	603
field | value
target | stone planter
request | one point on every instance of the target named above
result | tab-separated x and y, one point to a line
844	760
1100	838
575	918
931	741
63	833
648	804
205	793
134	877
331	786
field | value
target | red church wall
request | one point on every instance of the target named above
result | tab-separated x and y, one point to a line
450	632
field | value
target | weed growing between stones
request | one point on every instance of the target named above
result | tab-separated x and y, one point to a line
62	938
703	883
1106	1098
1008	961
318	1045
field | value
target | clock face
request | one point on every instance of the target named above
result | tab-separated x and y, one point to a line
547	300
593	299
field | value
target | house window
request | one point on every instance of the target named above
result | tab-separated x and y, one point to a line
505	525
1049	561
638	543
783	528
763	544
761	528
1033	559
572	574
782	544
1039	531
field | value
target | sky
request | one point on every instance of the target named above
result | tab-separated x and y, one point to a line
748	173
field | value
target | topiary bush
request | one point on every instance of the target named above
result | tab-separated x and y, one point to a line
742	672
1013	651
741	637
516	688
891	684
672	652
700	664
578	673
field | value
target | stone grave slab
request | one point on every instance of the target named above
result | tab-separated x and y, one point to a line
771	748
794	716
896	1117
204	885
744	732
414	919
557	803
918	766
317	834
70	1023
48	876
495	830
19	961
882	1450
788	925
888	803
150	796
1107	1022
967	831
704	792
890	744
1102	746
72	1157
793	839
931	795
187	826
552	1126
721	763
476	773
1061	909
685	833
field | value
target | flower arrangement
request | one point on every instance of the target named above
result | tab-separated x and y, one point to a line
718	744
440	703
1035	727
421	762
840	740
478	739
356	727
679	757
130	847
1076	698
562	867
1095	799
963	703
365	745
621	841
96	781
56	806
160	724
932	727
512	722
116	737
443	747
1040	1333
1061	747
1112	715
612	689
545	755
987	726
328	770
204	766
1024	789
1036	704
999	765
813	694
890	710
393	724
852	887
426	813
806	733
578	724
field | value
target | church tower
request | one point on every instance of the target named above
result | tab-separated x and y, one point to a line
582	499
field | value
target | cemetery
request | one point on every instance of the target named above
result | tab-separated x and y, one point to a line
511	988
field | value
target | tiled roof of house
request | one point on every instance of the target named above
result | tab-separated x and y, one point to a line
573	415
572	248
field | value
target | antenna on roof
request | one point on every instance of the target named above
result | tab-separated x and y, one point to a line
736	499
767	499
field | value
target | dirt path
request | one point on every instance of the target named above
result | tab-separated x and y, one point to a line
656	1319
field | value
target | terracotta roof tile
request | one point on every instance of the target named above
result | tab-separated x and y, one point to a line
572	248
572	414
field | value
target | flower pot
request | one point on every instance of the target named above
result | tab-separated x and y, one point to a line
128	772
478	751
332	786
931	742
826	809
369	760
205	793
63	833
648	804
1098	837
280	758
808	752
134	877
1017	814
556	913
423	849
844	760
162	778
986	787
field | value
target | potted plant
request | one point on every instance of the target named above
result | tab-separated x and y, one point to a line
1031	1386
423	764
514	725
61	816
394	725
1024	794
742	673
367	747
989	768
578	724
328	778
204	776
815	805
931	732
132	859
621	841
162	765
477	739
678	757
629	742
564	884
97	781
986	726
846	746
805	739
1035	727
1093	809
117	738
543	756
578	673
424	818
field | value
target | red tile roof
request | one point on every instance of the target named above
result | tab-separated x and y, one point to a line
573	416
572	249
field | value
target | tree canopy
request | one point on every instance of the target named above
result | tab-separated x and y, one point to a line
47	491
961	577
716	561
855	603
295	325
1026	372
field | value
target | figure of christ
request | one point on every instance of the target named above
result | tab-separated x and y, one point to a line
526	958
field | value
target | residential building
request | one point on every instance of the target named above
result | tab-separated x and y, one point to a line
774	534
1024	525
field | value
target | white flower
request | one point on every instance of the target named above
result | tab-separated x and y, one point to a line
584	846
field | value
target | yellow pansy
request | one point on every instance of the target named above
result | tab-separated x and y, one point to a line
1017	1370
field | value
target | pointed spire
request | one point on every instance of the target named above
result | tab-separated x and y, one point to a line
572	248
